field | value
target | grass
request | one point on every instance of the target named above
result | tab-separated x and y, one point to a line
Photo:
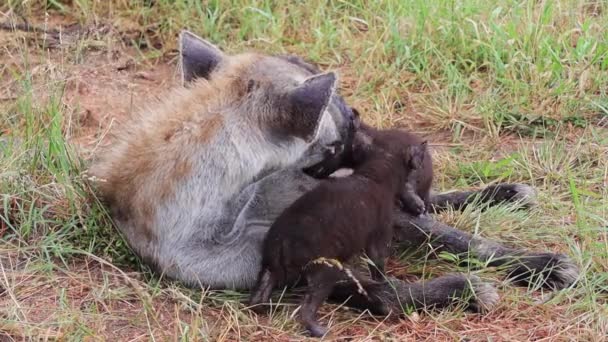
506	90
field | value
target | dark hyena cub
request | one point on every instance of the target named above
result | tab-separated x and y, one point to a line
416	193
334	222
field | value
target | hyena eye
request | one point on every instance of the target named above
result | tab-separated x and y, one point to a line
250	86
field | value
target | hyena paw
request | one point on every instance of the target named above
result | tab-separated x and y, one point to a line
522	194
317	330
547	270
419	207
483	295
413	205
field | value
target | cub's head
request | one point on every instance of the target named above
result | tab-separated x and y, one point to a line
290	103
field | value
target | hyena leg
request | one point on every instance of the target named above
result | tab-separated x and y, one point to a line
397	297
258	205
412	202
378	250
554	271
273	194
490	195
320	280
262	291
378	258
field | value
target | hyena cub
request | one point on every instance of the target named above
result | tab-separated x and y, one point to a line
334	222
416	194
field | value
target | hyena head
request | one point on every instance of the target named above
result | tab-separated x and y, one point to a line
291	102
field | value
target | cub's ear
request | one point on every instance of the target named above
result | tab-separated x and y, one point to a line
307	103
198	57
417	154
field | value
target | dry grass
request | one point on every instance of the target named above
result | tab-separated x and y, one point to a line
507	91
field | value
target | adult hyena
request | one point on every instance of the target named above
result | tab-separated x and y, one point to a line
195	182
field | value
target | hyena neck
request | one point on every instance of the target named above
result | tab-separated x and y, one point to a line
381	168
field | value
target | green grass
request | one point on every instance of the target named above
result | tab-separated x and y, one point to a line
507	90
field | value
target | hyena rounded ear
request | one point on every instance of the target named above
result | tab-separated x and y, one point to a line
416	154
198	57
308	102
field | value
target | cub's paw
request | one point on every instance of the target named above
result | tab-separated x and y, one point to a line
317	330
419	207
547	270
522	194
413	205
484	296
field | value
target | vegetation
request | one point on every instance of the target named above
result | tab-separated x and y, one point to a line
511	90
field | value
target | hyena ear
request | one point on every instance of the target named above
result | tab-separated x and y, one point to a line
307	104
417	154
198	57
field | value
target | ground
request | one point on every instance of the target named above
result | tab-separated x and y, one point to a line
505	91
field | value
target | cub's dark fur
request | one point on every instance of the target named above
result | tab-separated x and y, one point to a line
337	220
416	194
